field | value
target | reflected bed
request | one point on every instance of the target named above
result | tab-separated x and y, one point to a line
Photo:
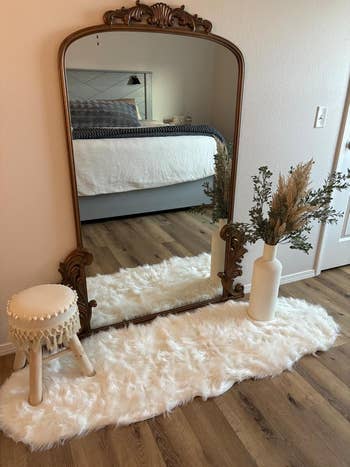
124	171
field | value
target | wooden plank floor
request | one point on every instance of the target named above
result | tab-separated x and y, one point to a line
299	418
149	239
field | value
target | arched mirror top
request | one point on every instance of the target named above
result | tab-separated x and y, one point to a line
158	17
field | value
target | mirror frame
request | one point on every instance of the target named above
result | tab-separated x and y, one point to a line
159	19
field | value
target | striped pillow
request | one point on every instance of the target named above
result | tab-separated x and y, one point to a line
102	113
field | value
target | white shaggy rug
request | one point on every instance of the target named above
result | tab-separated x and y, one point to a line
145	370
148	289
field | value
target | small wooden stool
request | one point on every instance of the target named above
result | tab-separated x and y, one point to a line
45	315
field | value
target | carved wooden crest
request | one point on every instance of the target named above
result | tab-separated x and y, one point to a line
159	15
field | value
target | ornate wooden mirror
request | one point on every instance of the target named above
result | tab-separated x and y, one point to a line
151	98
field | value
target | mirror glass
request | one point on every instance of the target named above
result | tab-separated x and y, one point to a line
149	113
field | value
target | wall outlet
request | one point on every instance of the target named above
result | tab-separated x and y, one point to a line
321	117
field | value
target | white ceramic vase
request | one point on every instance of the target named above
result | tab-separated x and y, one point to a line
265	284
218	246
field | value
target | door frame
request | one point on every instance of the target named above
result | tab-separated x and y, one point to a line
321	239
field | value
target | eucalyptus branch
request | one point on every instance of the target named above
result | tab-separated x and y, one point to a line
287	215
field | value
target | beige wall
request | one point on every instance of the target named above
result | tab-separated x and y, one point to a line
297	55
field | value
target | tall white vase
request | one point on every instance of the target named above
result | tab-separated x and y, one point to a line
265	284
218	246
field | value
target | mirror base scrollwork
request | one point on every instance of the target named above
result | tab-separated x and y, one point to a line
72	270
235	241
160	15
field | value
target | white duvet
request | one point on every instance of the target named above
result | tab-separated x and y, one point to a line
124	164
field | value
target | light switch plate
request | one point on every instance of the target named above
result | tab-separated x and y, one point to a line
321	117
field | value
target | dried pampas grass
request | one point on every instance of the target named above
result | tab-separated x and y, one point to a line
288	207
288	214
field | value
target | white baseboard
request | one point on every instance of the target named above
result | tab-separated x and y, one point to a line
7	348
288	278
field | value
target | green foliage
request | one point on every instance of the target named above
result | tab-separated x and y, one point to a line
262	196
288	214
282	218
219	193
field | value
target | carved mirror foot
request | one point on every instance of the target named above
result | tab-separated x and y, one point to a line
72	270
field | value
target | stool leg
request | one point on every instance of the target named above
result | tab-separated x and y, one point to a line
85	365
35	376
20	360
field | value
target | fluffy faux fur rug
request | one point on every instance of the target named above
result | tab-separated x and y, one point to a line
147	289
145	370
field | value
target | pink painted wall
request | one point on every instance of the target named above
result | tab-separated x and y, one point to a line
297	57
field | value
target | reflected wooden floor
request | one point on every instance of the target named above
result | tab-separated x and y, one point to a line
298	419
150	239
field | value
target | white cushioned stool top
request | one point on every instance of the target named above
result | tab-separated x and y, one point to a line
41	302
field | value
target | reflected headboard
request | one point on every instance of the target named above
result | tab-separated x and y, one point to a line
106	84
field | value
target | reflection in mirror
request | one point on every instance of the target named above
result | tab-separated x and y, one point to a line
148	113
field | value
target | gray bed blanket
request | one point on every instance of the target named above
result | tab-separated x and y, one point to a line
142	132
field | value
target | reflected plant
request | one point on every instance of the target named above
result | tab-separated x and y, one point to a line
219	192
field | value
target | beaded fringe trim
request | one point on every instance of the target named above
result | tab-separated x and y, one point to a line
43	318
51	338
